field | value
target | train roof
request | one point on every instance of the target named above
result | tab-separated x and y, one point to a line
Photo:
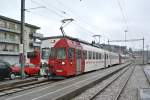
74	39
71	38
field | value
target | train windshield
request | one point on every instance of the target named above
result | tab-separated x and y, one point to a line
59	53
45	53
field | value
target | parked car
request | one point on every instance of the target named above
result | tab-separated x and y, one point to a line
6	70
29	69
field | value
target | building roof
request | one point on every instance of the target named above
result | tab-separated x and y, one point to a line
16	21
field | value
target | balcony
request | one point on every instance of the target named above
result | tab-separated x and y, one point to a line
9	41
36	35
35	44
8	53
9	30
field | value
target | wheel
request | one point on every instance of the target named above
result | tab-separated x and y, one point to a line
12	76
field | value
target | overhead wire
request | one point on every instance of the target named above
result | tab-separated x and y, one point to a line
75	14
124	14
79	19
62	13
47	8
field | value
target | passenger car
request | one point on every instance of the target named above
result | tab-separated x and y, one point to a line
6	70
29	69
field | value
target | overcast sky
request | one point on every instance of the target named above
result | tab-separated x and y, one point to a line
104	17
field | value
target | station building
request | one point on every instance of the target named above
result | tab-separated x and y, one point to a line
10	39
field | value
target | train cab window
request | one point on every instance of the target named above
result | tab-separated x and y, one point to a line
45	53
78	54
53	53
94	55
99	55
70	53
61	53
89	55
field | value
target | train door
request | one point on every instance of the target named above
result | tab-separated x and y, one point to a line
71	60
78	61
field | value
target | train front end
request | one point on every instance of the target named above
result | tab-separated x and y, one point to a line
61	60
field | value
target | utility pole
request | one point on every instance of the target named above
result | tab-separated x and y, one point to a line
147	52
143	50
125	40
109	45
21	47
98	36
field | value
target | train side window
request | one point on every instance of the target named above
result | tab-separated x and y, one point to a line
78	54
105	56
89	55
70	53
94	55
85	54
99	55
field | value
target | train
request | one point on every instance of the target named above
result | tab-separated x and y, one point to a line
67	56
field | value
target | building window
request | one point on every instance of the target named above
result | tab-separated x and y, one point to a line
2	23
18	27
5	35
32	31
12	26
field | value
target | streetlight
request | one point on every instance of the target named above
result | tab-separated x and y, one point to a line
125	31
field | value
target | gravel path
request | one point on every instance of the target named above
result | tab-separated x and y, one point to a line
90	92
137	81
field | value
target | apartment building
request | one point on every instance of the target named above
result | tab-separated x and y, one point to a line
10	39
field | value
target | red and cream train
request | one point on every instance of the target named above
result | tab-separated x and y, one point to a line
67	56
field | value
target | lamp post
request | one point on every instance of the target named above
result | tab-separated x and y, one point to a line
125	40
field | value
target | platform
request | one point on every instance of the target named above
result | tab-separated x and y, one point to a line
144	94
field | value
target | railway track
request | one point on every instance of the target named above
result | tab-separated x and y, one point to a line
114	89
65	88
104	90
29	85
24	86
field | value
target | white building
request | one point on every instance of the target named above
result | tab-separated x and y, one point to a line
10	39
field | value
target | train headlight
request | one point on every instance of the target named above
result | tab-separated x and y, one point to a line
59	70
63	63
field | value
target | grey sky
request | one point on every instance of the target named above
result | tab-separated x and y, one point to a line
102	17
